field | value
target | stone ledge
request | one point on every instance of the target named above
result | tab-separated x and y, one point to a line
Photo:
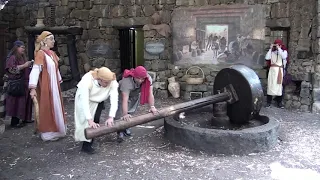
278	22
74	30
124	22
3	23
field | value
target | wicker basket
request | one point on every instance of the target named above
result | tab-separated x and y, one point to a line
190	80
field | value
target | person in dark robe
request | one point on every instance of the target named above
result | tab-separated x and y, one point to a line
209	42
223	44
17	66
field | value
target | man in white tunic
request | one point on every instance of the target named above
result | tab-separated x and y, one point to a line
94	88
277	60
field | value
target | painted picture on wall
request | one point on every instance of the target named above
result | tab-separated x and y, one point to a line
219	35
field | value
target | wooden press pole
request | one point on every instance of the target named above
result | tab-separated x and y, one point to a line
164	112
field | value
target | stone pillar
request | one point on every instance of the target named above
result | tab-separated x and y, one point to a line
31	46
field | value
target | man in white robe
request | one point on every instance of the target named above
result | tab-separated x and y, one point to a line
277	60
94	88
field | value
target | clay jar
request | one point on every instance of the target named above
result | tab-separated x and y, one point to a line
174	87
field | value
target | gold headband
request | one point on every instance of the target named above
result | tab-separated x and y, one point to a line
43	35
40	38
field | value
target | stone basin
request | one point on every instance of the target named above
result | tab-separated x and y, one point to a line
197	131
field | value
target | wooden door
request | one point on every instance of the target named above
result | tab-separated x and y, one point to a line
127	48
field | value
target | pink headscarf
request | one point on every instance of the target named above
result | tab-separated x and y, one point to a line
140	72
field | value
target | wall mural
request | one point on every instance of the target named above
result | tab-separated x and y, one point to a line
219	35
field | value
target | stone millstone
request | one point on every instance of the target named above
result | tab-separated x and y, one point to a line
227	142
248	88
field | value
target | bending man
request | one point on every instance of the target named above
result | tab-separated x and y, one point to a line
94	88
135	87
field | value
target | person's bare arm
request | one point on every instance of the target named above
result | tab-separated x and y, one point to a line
151	97
125	98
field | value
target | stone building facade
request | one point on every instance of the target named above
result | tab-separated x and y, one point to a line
100	19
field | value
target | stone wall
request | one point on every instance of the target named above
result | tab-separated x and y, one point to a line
8	17
99	18
62	52
303	27
316	63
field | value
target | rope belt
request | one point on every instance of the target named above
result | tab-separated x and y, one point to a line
280	78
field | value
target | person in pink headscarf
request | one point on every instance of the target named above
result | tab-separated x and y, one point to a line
135	88
276	59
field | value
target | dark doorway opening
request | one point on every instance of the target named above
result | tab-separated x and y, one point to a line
131	47
3	50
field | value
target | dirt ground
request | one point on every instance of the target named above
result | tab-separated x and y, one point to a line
148	155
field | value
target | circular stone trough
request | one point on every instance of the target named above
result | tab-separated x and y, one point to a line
233	127
196	132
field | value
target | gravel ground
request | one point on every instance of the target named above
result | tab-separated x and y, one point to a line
148	155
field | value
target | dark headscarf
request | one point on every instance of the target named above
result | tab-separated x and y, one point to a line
16	43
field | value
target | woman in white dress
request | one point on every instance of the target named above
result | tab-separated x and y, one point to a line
44	84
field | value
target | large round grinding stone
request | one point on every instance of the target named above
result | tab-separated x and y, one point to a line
248	88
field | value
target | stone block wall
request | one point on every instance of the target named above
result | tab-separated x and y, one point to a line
9	18
187	90
62	52
253	21
302	48
316	64
99	19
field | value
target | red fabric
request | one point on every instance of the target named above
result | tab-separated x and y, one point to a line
140	72
268	63
278	41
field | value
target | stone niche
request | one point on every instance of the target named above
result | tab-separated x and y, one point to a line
65	48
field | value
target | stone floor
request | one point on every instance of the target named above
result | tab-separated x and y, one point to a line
148	155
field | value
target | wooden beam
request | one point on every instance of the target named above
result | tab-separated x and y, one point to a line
164	112
74	30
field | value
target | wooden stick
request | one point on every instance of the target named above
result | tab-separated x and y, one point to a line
36	113
164	112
